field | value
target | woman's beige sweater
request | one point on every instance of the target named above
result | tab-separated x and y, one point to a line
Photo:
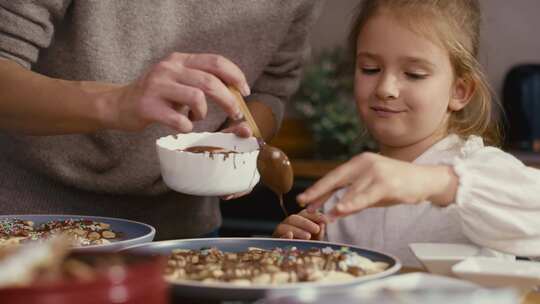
115	173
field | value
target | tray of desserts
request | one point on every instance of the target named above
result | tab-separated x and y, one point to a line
251	268
86	233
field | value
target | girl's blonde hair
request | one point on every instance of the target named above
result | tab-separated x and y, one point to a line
455	25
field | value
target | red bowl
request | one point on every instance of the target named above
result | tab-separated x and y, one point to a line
139	281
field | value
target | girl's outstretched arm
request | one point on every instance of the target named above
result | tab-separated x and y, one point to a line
375	180
496	196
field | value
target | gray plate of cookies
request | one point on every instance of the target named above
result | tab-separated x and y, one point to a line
250	268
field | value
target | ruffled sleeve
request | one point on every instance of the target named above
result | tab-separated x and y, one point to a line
498	199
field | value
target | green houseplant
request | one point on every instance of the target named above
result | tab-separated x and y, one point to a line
325	100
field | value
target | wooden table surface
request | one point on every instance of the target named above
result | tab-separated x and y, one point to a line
532	297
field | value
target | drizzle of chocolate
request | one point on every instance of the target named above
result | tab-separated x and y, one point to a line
203	149
228	266
19	228
275	170
211	150
272	163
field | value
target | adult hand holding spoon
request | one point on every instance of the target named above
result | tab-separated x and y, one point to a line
272	163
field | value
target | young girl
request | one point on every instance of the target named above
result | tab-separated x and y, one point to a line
422	96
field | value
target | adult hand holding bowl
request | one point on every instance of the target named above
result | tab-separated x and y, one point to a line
220	164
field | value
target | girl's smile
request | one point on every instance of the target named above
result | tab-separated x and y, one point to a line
386	112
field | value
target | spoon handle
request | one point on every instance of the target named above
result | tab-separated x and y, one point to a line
247	114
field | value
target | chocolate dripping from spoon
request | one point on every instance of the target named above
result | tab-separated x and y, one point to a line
275	170
272	163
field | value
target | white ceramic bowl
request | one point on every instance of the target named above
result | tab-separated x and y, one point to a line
208	174
438	258
491	272
415	281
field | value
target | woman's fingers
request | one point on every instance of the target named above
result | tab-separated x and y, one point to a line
188	80
179	82
177	121
217	65
181	96
234	195
211	86
241	129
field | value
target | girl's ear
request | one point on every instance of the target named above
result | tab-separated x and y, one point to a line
461	95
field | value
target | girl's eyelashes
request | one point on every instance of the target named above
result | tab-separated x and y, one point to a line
372	70
369	70
416	76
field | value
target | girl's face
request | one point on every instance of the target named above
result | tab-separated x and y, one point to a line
404	85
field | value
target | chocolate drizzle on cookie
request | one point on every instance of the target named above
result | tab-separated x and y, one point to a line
81	232
260	266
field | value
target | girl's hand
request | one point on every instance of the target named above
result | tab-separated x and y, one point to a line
306	225
174	92
375	180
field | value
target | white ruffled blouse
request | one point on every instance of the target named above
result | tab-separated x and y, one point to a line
497	206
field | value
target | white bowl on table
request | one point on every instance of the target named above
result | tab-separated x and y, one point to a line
208	174
490	272
438	258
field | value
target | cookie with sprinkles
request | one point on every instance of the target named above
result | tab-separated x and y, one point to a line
15	231
81	231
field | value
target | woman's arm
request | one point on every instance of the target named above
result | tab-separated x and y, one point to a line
172	92
34	104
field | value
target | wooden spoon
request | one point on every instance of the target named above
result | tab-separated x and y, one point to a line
272	163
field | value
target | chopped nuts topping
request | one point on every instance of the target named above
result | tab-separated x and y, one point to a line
82	232
260	266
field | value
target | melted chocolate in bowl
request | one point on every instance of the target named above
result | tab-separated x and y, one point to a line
272	163
276	171
209	149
